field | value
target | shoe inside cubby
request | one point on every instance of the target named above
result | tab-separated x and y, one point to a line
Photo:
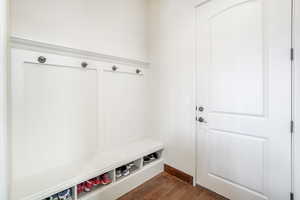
68	194
94	184
130	168
152	157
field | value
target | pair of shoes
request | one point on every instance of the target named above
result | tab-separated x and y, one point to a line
125	170
80	188
105	179
122	171
150	158
65	195
96	181
132	167
119	172
87	186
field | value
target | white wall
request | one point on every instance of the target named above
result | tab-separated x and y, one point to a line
3	96
172	54
112	27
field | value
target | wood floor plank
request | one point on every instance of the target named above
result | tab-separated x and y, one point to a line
167	187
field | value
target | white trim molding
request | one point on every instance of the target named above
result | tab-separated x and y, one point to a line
4	174
21	43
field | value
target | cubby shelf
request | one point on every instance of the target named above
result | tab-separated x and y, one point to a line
158	155
139	167
137	164
54	181
117	188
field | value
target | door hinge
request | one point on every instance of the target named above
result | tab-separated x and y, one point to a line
291	196
292	126
292	54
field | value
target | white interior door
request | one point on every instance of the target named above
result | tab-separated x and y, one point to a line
244	88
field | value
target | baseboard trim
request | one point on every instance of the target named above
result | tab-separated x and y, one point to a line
179	174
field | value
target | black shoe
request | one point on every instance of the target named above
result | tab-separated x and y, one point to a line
147	159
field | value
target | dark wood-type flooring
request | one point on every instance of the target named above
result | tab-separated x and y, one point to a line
168	187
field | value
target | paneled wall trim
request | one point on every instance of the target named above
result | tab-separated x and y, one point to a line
26	44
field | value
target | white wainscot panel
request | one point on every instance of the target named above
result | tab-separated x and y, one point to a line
52	106
126	110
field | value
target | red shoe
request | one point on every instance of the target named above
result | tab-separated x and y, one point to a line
105	179
80	188
96	181
88	185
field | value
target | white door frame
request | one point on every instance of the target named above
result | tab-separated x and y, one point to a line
3	99
296	98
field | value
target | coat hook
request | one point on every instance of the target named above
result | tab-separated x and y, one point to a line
84	64
114	68
42	59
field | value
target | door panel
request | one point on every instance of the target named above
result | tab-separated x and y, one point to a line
243	73
241	69
231	153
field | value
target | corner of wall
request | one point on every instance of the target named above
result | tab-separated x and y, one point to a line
3	99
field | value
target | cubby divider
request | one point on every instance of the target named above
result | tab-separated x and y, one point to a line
75	196
74	192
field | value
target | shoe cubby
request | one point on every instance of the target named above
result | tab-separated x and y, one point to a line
94	184
68	194
128	169
73	175
152	157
